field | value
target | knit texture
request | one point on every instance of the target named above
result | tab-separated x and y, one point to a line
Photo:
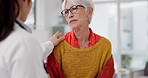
82	63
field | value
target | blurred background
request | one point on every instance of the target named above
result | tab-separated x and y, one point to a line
123	22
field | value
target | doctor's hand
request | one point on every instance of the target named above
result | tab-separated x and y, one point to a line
55	39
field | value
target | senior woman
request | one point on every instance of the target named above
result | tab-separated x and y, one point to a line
83	54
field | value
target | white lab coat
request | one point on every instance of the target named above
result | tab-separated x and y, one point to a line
21	55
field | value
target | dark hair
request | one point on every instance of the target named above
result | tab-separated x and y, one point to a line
9	10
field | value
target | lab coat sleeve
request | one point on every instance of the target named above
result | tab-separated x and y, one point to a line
24	59
47	48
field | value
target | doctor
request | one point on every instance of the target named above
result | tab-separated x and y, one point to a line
20	55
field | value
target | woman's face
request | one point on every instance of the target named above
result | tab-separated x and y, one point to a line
28	8
79	17
25	6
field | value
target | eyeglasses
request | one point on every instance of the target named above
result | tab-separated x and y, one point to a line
73	9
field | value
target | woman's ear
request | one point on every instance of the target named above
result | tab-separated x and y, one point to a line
25	6
90	12
27	0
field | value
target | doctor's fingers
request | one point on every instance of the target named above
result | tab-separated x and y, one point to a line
60	39
57	34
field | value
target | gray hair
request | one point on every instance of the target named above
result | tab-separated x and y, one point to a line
86	3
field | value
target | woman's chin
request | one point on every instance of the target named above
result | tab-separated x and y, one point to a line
73	26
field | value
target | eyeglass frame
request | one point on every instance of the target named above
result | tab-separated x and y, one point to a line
76	7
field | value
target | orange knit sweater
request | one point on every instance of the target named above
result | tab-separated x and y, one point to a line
82	63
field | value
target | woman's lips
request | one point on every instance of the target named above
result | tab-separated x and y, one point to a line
72	21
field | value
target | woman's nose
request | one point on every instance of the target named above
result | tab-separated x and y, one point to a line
70	15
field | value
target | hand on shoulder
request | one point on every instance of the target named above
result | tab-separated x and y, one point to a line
55	39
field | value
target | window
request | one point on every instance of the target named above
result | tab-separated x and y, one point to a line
134	32
125	24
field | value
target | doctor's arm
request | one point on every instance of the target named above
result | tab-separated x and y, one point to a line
49	45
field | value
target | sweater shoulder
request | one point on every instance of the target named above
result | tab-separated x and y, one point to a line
105	41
